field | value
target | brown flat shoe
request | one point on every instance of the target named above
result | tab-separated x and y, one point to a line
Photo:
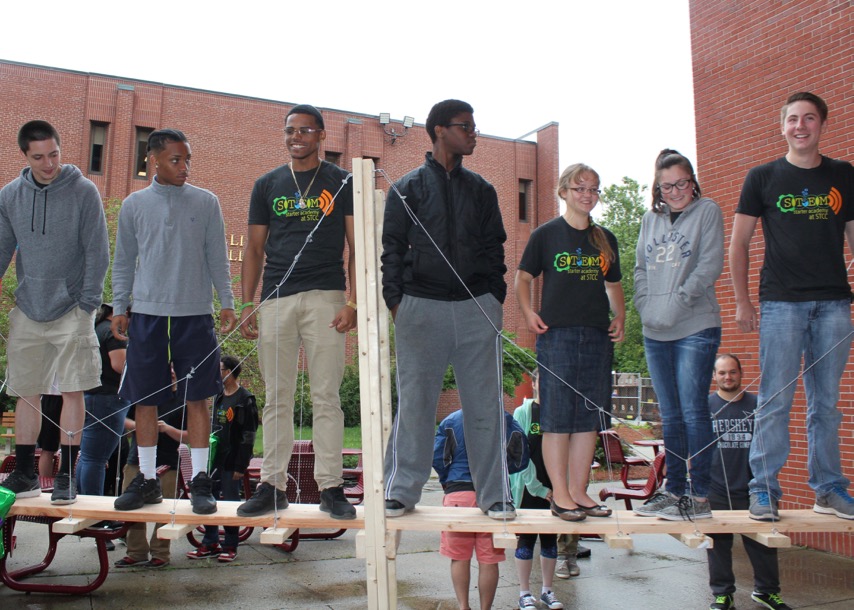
596	511
568	514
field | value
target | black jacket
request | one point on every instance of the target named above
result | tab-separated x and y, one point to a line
460	211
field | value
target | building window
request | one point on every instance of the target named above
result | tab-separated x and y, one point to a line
97	144
333	157
524	197
141	158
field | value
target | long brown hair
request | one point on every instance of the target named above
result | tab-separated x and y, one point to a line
597	236
667	158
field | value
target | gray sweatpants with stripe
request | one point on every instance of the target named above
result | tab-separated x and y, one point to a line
430	335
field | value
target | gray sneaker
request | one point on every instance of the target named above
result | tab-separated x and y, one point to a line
838	502
763	507
687	508
22	485
656	503
64	489
566	568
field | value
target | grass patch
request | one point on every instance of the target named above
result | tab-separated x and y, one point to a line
352	438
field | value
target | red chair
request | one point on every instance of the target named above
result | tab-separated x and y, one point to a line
616	457
653	484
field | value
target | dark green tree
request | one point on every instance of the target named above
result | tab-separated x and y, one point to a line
624	205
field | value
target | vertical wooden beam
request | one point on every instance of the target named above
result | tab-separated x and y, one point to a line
375	393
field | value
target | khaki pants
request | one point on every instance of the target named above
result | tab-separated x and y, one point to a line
137	537
284	323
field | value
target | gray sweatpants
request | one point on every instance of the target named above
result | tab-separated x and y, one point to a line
429	335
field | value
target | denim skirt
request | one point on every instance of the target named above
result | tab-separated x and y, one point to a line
575	379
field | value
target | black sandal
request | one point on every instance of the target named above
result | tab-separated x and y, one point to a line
568	514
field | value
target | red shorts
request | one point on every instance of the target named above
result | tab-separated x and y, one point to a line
460	545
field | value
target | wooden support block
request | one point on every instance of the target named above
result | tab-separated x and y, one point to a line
772	540
618	541
392	541
360	544
71	525
276	535
694	540
174	531
504	540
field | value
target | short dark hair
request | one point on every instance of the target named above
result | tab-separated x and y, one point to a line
805	96
442	113
158	140
733	356
232	364
307	109
36	131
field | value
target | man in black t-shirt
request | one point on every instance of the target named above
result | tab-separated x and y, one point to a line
732	419
299	217
806	203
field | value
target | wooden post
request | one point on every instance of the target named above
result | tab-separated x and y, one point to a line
375	388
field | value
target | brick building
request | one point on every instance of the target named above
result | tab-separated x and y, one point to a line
749	55
104	122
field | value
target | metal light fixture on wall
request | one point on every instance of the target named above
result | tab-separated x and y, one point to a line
385	119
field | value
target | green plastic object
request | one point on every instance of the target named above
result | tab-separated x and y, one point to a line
213	443
7	498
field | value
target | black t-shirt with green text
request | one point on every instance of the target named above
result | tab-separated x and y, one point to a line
275	203
574	274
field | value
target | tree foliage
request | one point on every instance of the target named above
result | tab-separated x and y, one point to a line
624	206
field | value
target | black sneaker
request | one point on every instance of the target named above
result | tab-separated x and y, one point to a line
22	485
394	508
723	602
333	501
140	492
265	499
64	489
201	494
502	511
770	600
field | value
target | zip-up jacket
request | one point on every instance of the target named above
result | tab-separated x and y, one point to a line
60	234
459	209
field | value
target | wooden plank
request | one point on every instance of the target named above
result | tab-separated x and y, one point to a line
72	525
772	540
180	512
175	531
276	535
618	541
373	378
436	518
504	540
695	541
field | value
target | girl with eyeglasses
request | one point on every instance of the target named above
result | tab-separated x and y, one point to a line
580	264
680	256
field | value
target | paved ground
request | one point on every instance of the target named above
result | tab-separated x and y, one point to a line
659	573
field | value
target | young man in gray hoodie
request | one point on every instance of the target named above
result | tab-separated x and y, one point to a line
54	218
170	254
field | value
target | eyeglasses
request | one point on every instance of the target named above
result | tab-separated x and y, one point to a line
467	127
681	185
581	190
303	131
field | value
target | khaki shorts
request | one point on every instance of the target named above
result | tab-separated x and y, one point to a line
66	348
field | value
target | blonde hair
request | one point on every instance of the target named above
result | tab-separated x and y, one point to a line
573	174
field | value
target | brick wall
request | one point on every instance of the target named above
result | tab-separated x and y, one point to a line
749	55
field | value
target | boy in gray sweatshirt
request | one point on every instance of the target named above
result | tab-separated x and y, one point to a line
54	218
170	254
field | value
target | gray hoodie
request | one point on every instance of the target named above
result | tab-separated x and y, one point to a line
677	266
170	252
61	237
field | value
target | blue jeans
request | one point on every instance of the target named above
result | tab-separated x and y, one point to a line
100	439
821	332
230	491
681	375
